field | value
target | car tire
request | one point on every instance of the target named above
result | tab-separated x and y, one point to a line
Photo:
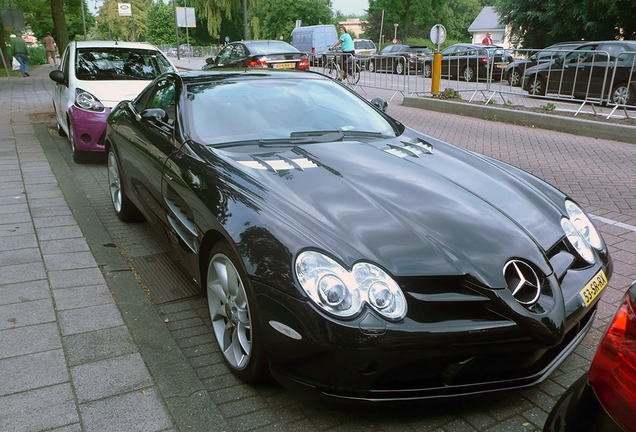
399	68
514	77
124	208
60	131
78	155
622	95
536	86
231	307
371	66
427	70
469	74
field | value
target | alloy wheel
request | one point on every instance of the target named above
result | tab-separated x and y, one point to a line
621	95
229	311
114	181
514	77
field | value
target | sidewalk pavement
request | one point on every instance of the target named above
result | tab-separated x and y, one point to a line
67	360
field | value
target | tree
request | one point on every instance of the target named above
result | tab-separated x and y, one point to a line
160	23
539	24
217	11
458	16
59	24
112	26
271	19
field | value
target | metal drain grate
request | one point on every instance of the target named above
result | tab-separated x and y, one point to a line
163	278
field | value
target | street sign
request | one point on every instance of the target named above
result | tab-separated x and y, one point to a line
394	41
185	17
227	38
124	9
438	35
13	19
218	36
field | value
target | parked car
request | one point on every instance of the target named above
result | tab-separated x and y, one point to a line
471	62
93	78
604	398
346	253
172	52
259	54
604	72
513	71
314	41
364	49
393	58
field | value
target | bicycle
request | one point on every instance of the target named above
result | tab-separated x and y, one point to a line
334	70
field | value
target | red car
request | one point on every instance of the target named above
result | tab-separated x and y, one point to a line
604	399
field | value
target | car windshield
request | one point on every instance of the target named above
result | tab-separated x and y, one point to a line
218	112
271	48
364	44
98	64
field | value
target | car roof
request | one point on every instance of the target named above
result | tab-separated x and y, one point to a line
114	44
239	74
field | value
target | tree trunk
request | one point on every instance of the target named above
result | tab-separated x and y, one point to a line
59	24
3	46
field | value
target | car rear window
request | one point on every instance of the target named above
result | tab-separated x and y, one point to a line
271	48
364	44
101	64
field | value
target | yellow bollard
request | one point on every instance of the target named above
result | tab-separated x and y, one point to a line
437	72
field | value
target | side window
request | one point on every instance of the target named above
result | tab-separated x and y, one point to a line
65	62
225	55
614	51
239	52
448	51
163	97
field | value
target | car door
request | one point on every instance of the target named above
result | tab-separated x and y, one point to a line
224	58
147	144
62	98
602	77
448	60
574	75
385	58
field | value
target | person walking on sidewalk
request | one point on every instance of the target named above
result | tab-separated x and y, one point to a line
21	53
49	46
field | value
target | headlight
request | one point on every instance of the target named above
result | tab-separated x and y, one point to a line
577	240
87	101
584	225
343	293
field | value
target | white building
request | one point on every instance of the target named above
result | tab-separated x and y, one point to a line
488	21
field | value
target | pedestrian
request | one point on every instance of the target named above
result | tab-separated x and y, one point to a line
21	53
50	46
347	47
488	39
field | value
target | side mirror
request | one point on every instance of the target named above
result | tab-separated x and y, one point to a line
558	60
210	60
57	76
156	115
533	58
380	103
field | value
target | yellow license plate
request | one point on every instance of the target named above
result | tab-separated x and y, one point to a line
593	288
501	65
366	52
283	66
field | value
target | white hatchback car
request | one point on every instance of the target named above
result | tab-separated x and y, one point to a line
94	77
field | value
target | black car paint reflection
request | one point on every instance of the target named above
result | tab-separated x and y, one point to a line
243	177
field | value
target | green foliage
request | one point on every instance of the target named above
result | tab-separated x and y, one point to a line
539	24
37	16
548	106
271	19
449	94
160	24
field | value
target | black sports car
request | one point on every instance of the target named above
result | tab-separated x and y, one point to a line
258	54
346	253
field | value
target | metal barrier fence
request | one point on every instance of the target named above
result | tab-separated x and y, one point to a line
190	51
527	76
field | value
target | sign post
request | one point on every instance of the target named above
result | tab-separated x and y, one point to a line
125	9
438	36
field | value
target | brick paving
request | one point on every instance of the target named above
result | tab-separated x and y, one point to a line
596	172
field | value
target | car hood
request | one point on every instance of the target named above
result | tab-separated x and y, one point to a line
110	93
415	205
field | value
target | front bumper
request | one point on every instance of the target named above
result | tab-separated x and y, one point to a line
89	127
457	347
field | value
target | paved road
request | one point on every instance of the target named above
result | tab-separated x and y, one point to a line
597	173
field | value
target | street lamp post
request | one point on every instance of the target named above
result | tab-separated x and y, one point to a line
395	34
